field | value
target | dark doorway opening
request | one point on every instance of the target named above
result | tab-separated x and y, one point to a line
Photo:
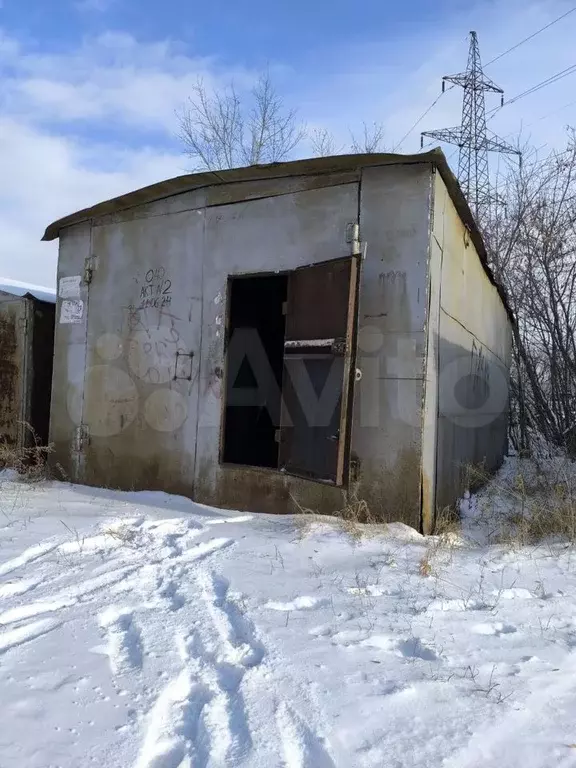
254	365
290	347
42	361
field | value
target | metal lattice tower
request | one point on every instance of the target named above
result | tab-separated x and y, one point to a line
472	136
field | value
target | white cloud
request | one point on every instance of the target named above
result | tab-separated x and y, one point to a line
48	176
110	82
110	77
52	164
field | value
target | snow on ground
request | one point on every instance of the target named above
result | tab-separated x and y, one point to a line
145	630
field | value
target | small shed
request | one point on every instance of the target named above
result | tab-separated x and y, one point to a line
282	337
26	352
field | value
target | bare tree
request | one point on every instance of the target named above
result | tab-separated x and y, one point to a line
532	243
323	143
219	129
371	139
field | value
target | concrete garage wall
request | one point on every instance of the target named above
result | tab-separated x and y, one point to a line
272	234
69	360
128	373
115	396
395	225
471	341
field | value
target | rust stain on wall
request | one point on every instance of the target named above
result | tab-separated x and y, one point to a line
427	505
392	493
10	375
265	491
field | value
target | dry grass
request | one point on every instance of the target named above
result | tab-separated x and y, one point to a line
447	522
425	567
535	504
354	517
121	532
29	460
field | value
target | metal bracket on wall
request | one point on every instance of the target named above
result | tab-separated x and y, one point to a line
81	438
89	267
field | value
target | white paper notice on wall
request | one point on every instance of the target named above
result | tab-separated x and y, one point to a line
69	287
72	311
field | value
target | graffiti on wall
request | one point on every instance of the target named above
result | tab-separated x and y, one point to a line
156	293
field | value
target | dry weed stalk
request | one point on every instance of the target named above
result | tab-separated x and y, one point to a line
28	460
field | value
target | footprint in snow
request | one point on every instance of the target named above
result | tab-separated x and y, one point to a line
372	590
414	648
497	628
409	648
456	604
298	604
514	593
302	747
124	639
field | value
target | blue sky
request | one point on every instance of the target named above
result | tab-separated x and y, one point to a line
90	87
251	31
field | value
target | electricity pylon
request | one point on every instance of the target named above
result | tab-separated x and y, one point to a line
472	136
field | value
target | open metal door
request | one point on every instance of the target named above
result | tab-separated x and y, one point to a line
318	364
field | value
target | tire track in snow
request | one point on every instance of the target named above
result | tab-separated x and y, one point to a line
28	556
190	723
24	634
17	588
67	598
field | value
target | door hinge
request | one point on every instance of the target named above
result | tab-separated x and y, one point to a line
82	438
89	267
353	237
277	435
284	307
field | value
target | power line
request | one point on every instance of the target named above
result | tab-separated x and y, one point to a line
543	117
422	116
471	136
496	58
549	114
530	37
533	89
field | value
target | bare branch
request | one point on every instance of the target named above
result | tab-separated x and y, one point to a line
323	143
219	129
371	139
532	242
273	132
